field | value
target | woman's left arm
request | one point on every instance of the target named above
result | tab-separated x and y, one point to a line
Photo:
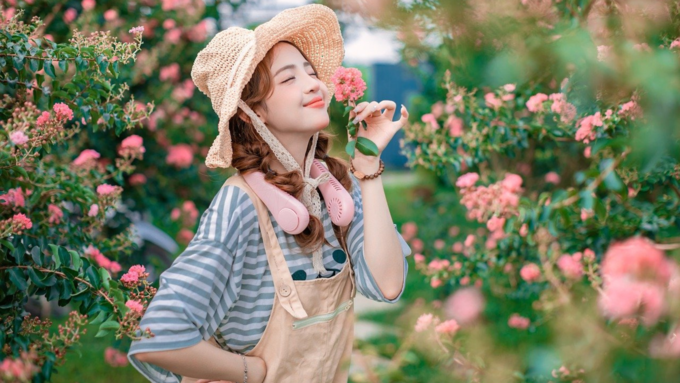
382	248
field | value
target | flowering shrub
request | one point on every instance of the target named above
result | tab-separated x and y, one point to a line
551	239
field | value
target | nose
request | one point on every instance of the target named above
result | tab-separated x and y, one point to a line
313	85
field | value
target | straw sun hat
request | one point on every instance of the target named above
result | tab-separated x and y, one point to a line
224	67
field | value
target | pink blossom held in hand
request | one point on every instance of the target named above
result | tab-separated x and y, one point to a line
86	157
570	266
180	156
348	84
447	327
467	180
18	137
530	272
424	321
62	111
535	102
94	210
519	322
106	189
135	306
552	178
465	305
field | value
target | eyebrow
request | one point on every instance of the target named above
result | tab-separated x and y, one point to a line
291	66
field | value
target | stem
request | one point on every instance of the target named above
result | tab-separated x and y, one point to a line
62	275
593	185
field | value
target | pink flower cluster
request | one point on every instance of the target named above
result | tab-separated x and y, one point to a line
87	158
465	305
530	272
133	275
571	265
481	201
636	277
18	137
14	197
18	370
180	156
426	320
55	214
409	230
519	322
96	255
630	109
348	84
586	125
115	358
132	146
135	306
106	189
188	211
535	102
62	111
136	30
170	73
566	110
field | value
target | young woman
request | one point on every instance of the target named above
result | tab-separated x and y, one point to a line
247	301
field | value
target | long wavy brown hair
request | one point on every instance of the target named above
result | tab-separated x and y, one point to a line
251	154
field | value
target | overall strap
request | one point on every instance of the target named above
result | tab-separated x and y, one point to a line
344	246
283	281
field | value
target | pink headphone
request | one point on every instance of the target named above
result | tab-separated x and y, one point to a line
290	213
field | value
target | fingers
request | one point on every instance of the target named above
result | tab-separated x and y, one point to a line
389	106
365	110
403	120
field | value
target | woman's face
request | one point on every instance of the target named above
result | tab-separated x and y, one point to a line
289	114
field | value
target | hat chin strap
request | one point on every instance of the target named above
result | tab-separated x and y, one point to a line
310	195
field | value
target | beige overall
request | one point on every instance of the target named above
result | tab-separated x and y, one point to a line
310	331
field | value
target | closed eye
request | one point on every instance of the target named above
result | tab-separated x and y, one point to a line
290	78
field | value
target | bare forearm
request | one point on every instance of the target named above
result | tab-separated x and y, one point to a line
382	249
205	361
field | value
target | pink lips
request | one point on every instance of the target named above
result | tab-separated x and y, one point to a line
316	103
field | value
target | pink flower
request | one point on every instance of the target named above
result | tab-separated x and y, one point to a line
88	5
131	278
173	35
13	197
409	230
55	214
636	257
509	87
438	264
512	183
168	24
571	266
535	103
519	322
589	255
137	179
135	30
22	222
587	152
135	306
439	244
424	321
495	223
585	131
630	109
132	146
110	15
18	137
530	272
552	178
94	210
43	119
465	305
137	269
455	126
419	258
199	32
469	240
86	158
524	230
435	282
447	327
348	84
492	101
467	180
457	247
429	118
623	298
62	111
417	245
170	73
465	281
106	189
115	358
180	156
70	15
184	236
437	109
675	44
666	346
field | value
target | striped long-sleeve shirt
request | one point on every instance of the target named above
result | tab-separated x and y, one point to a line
221	283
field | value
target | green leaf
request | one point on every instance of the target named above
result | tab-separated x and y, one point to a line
106	277
102	333
18	278
110	325
367	146
63	64
7	244
35	277
36	254
350	148
49	68
586	200
81	64
93	276
55	255
99	318
348	108
76	261
611	180
34	65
